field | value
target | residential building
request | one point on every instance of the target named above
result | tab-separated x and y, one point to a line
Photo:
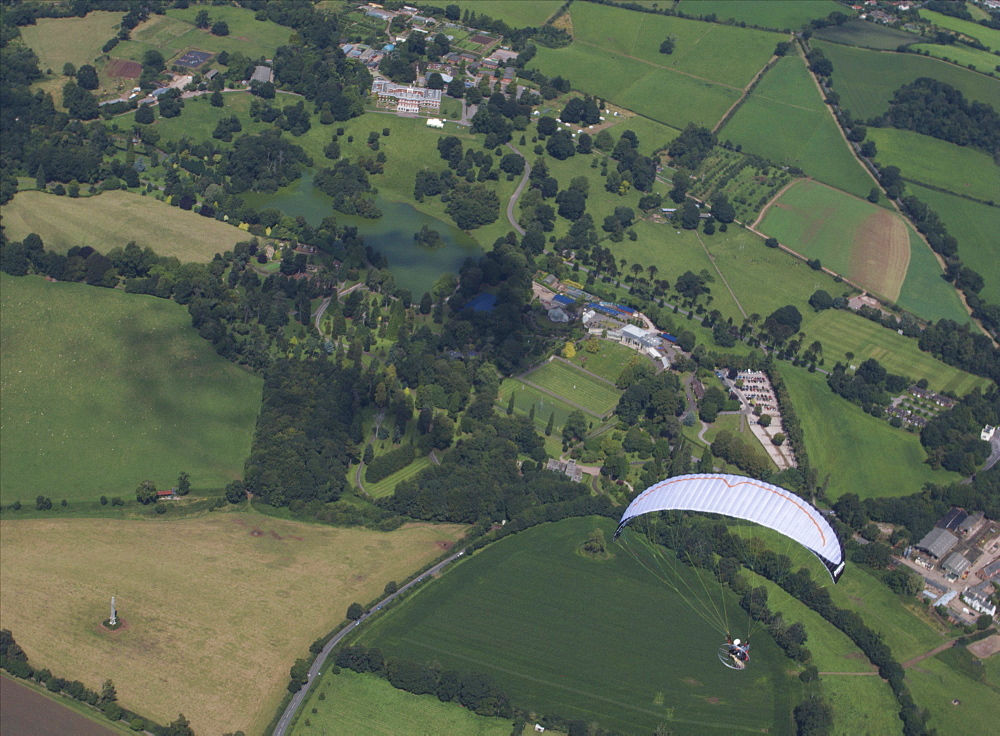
978	597
406	98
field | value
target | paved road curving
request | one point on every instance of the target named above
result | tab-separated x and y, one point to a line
286	718
517	192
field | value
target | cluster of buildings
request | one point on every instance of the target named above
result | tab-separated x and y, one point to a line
406	98
907	408
367	55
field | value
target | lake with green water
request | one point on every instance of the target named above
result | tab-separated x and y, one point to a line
414	267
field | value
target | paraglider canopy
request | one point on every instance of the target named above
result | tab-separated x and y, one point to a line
748	499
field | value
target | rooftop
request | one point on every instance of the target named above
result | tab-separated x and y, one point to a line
938	542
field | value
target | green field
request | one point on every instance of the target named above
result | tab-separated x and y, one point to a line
981	61
608	362
516	14
787	14
862	706
575	386
74	40
364	704
924	292
866	80
857	453
748	185
387	486
519	611
174	33
103	389
989	37
934	685
842	332
928	160
652	135
526	397
785	121
867	35
975	225
234	571
198	118
112	219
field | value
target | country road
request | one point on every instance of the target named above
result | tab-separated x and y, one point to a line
517	192
317	667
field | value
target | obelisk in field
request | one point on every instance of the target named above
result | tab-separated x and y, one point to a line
113	621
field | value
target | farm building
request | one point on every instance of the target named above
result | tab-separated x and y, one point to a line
261	74
563	300
992	570
971	524
956	564
937	542
404	97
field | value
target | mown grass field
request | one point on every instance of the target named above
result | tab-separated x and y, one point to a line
854	452
519	610
726	55
785	120
576	386
173	33
921	158
934	685
362	704
608	362
925	292
790	14
867	35
387	486
965	56
102	390
866	80
112	219
975	226
216	608
518	14
842	332
906	634
862	706
989	37
855	238
74	40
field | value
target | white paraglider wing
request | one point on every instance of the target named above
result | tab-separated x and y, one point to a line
748	499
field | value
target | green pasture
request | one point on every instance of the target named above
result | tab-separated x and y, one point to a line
652	134
924	291
74	40
198	118
103	389
965	56
928	160
784	120
526	396
519	610
867	35
934	685
862	706
112	219
866	80
975	226
519	14
575	386
989	37
726	55
365	704
841	332
677	101
173	33
608	362
854	452
387	486
787	14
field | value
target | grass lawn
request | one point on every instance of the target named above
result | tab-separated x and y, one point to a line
608	362
74	40
518	14
790	14
867	35
965	56
198	118
576	386
364	704
862	706
784	120
975	226
842	332
652	135
866	80
934	685
205	603
112	219
924	292
854	452
989	37
520	609
103	389
921	158
861	241
387	486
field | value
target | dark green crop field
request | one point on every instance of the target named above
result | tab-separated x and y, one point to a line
599	640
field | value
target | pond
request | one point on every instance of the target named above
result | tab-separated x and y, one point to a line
414	267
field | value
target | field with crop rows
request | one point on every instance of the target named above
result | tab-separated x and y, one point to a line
866	80
867	35
859	454
519	609
928	160
785	120
205	603
975	226
102	390
748	185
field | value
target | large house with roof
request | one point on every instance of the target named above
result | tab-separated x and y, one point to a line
406	98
